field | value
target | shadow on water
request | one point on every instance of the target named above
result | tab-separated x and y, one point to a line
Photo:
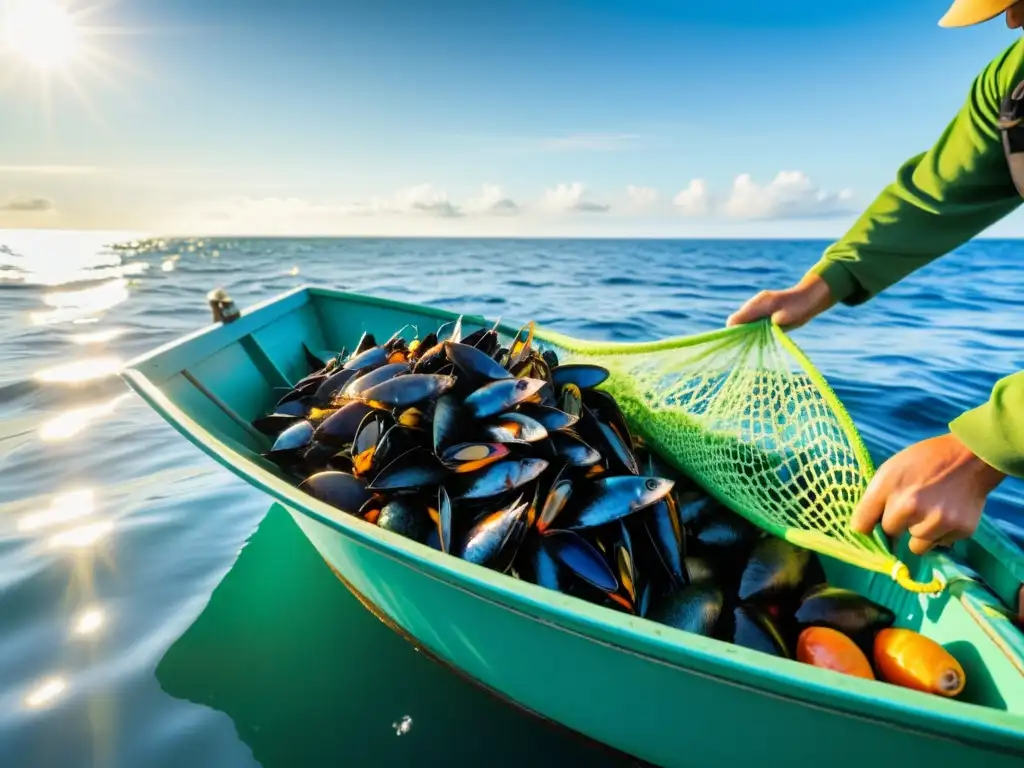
307	674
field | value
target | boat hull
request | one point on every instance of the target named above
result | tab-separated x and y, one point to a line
655	709
664	696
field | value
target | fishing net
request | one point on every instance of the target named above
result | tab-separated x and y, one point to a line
744	413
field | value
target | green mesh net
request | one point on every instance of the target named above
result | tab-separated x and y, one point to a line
744	413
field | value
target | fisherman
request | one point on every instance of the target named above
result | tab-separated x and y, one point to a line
940	199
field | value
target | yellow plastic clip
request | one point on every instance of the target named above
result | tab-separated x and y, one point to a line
901	575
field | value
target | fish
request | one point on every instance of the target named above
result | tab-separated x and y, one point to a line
615	497
491	399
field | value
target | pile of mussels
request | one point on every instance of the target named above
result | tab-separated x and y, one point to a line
510	460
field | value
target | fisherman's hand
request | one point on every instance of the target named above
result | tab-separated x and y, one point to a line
789	308
935	489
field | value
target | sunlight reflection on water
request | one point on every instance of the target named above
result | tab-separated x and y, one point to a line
46	692
72	305
83	536
89	622
80	370
65	507
71	422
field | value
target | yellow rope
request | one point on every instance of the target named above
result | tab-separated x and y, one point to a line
901	575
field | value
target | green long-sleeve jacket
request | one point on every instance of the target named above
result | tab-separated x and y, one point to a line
940	200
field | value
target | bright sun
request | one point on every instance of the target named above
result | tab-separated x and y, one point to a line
39	32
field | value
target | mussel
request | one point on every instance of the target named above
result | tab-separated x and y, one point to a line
775	568
405	517
339	489
581	558
404	391
583	375
486	538
475	363
696	608
755	629
843	610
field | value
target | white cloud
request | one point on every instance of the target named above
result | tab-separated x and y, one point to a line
642	197
427	199
491	201
790	195
571	197
695	200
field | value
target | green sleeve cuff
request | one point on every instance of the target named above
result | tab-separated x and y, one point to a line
994	432
841	282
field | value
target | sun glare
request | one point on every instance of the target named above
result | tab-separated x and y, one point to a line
40	33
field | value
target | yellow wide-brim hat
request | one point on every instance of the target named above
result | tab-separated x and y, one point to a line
964	13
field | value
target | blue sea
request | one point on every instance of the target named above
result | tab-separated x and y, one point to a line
152	612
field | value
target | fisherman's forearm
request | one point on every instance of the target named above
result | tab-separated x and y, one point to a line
904	230
994	431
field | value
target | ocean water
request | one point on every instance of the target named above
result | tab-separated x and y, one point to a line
153	613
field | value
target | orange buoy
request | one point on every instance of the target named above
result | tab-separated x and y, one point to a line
907	658
831	649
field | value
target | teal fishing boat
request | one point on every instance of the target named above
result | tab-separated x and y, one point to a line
662	695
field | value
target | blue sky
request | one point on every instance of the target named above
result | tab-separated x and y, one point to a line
454	117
